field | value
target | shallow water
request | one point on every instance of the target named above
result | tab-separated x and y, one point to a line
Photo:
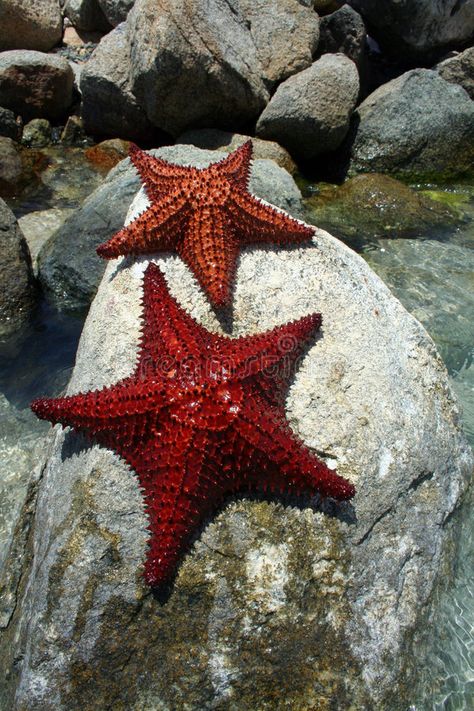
433	278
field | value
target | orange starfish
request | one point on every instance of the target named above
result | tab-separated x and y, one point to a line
202	417
205	216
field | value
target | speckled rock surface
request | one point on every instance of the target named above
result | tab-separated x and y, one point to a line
30	24
277	606
459	70
69	268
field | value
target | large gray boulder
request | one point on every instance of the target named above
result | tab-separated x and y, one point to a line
419	29
417	125
309	113
17	291
30	24
326	603
108	104
459	70
86	15
69	268
35	84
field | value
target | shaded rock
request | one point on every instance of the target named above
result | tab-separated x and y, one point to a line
419	29
17	292
372	205
324	7
37	133
194	65
108	105
69	268
459	70
73	131
10	125
417	125
34	84
214	138
39	226
116	11
18	166
86	15
327	604
30	24
285	34
108	153
309	113
343	32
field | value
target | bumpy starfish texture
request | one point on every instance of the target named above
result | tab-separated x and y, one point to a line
201	417
205	215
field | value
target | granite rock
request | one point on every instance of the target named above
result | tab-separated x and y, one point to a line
309	113
116	11
30	24
419	29
71	275
34	84
417	126
326	600
459	70
17	289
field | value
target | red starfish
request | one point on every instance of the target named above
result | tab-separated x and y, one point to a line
201	417
205	216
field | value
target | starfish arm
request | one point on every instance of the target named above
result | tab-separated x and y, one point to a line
272	353
210	250
159	176
277	460
256	222
171	339
155	230
236	166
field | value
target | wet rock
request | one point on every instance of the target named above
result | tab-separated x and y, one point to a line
459	70
108	104
18	167
34	84
417	125
309	113
69	268
37	133
39	226
17	291
108	153
86	15
214	138
285	34
10	125
326	603
343	32
419	29
30	24
194	65
116	11
73	131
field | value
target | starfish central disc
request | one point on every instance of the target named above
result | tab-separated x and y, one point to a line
202	417
205	215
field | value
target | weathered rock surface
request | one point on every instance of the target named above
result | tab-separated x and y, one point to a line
108	104
9	126
325	604
68	266
309	113
34	84
370	206
459	70
343	32
420	29
116	11
194	64
214	138
285	34
30	24
417	125
37	133
17	292
86	15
